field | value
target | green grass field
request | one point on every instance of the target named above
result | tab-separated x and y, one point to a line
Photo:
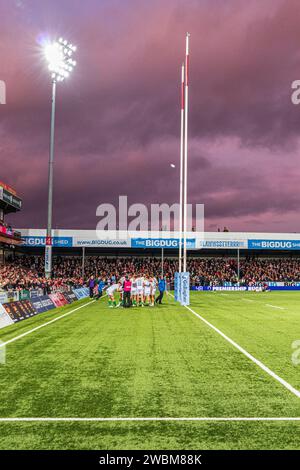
161	362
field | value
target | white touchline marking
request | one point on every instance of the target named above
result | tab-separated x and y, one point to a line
252	358
44	324
48	419
247	300
274	306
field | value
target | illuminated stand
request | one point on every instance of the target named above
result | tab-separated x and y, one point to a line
182	278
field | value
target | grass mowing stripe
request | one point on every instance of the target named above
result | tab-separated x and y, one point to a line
260	364
43	325
208	418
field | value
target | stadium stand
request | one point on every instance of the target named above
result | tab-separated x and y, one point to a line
26	272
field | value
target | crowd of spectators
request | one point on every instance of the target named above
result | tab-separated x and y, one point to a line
27	272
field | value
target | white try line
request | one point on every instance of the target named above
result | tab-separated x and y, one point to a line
266	305
141	419
274	306
16	338
248	355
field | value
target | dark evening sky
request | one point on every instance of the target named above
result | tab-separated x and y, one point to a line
118	116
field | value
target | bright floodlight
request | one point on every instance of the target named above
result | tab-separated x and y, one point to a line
59	58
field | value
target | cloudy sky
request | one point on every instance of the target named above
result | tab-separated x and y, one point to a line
118	116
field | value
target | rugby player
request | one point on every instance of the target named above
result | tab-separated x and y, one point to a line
147	291
133	291
140	290
153	284
111	290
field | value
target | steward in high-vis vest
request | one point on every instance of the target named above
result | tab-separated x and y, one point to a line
127	292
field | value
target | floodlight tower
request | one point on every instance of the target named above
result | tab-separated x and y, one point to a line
60	63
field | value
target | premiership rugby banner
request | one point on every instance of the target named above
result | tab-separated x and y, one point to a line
271	287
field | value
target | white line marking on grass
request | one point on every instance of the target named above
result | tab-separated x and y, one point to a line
43	325
8	420
274	306
252	358
247	300
248	355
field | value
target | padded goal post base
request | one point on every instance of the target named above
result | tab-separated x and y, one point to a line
182	288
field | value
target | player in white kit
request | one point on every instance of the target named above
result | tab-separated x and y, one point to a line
111	290
133	291
147	291
140	290
153	283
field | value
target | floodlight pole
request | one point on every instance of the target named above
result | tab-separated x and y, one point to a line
48	245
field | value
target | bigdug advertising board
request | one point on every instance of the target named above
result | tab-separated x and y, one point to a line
274	244
101	243
161	243
41	241
142	240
